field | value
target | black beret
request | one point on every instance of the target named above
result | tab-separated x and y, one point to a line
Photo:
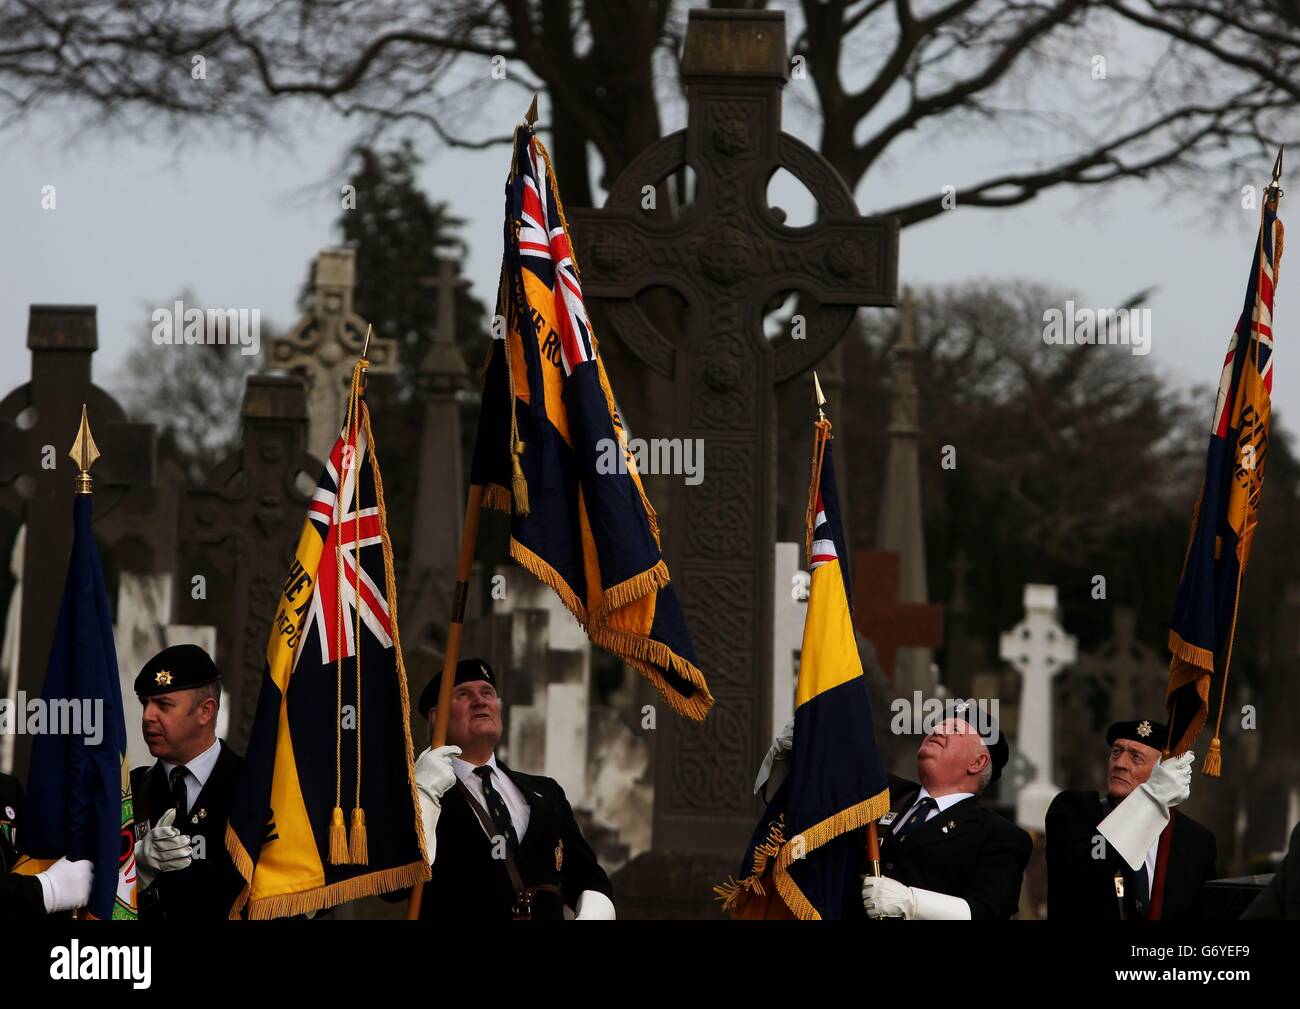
1145	731
180	667
982	721
467	670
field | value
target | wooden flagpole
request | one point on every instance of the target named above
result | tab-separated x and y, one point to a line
468	540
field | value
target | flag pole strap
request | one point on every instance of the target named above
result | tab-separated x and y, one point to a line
468	540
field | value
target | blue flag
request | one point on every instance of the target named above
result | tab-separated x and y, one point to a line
79	796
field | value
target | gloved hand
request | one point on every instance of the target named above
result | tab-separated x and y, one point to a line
594	906
66	885
888	898
434	776
782	745
163	849
1171	781
1133	826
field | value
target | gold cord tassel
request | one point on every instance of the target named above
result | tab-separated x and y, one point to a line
518	485
360	848
338	839
1213	766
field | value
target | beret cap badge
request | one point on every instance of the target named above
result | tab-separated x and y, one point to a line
163	678
1144	729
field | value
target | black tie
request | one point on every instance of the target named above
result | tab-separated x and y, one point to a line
917	818
497	809
1141	891
180	799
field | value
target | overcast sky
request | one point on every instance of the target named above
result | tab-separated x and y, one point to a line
138	221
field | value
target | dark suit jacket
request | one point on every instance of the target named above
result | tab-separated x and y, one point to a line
980	857
206	890
1281	898
1080	886
21	897
468	884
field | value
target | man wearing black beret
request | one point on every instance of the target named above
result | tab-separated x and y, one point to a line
943	854
503	844
182	802
1104	852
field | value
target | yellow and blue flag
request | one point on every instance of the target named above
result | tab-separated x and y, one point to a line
79	786
551	450
1227	511
331	732
808	852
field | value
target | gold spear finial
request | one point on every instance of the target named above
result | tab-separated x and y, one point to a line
84	453
365	347
821	397
1274	188
530	117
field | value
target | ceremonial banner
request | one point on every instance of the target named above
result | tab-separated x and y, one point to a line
331	727
1226	513
808	846
79	787
551	450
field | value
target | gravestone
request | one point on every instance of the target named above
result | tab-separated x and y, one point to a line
890	623
727	257
440	497
790	608
1039	649
899	529
238	535
38	422
322	348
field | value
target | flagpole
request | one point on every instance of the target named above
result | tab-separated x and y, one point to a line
468	540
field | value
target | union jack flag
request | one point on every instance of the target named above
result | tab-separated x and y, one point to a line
350	527
544	249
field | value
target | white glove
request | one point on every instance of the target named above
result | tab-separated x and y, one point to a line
163	849
1135	824
594	906
66	885
888	898
434	776
782	745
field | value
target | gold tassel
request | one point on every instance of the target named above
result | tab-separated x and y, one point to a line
518	485
1213	766
338	838
360	844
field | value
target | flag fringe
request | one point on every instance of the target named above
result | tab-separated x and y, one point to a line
543	572
632	589
497	498
322	897
858	815
735	891
1195	655
639	652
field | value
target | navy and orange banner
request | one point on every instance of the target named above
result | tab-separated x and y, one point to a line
325	811
546	430
807	855
1226	513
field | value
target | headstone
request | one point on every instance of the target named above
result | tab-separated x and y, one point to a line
1039	649
239	531
324	346
899	529
727	257
38	421
440	501
887	621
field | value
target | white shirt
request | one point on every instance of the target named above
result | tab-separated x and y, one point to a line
942	803
516	803
199	769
